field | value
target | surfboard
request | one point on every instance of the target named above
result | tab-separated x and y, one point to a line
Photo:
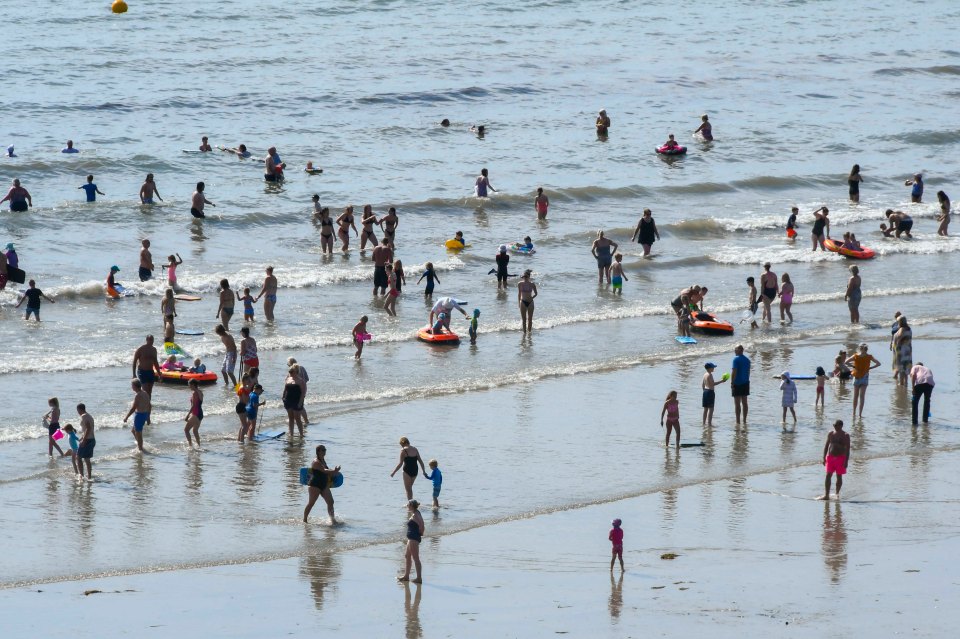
685	340
690	444
188	331
337	481
187	298
268	435
121	292
803	377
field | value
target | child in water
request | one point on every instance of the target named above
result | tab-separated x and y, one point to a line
359	332
248	302
173	261
821	380
683	322
752	302
788	388
459	238
617	276
474	322
431	276
671	408
616	538
198	367
437	328
437	478
74	446
172	364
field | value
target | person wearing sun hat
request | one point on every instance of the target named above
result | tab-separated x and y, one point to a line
709	394
13	260
112	283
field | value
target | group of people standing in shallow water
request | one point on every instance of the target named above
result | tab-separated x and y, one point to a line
389	279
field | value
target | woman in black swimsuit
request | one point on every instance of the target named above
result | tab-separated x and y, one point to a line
819	223
326	232
346	221
367	221
646	231
292	396
319	484
389	225
409	458
853	182
415	530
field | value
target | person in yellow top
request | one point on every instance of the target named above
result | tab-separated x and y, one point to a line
862	363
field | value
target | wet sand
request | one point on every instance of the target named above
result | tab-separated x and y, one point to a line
753	554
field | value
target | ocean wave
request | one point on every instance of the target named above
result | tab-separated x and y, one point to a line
945	69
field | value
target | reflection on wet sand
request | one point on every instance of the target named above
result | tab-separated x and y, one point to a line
322	566
616	597
411	608
834	541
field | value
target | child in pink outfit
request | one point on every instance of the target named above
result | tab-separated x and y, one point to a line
616	538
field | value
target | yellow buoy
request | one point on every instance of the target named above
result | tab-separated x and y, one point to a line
118	6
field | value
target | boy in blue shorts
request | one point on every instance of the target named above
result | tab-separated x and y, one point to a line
617	274
437	478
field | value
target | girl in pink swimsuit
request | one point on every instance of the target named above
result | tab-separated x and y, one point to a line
671	408
786	298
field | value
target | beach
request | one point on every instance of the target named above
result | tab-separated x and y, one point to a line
544	437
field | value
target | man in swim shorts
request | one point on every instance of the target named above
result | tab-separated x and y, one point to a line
230	359
709	394
836	457
148	190
198	200
140	409
146	262
740	383
269	292
382	255
146	368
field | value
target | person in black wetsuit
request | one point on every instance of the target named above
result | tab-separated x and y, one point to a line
502	259
409	458
415	529
319	484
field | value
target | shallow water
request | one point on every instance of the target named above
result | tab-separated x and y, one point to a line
358	89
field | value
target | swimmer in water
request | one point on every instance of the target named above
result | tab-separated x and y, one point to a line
541	203
479	130
148	190
526	293
671	142
820	223
853	182
603	123
482	184
916	193
204	145
198	200
603	250
445	122
705	129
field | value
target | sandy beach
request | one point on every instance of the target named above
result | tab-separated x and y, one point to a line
753	555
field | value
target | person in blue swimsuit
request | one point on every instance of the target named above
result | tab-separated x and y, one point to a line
603	250
916	193
431	276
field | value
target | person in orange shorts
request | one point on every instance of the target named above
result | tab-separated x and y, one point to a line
836	456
